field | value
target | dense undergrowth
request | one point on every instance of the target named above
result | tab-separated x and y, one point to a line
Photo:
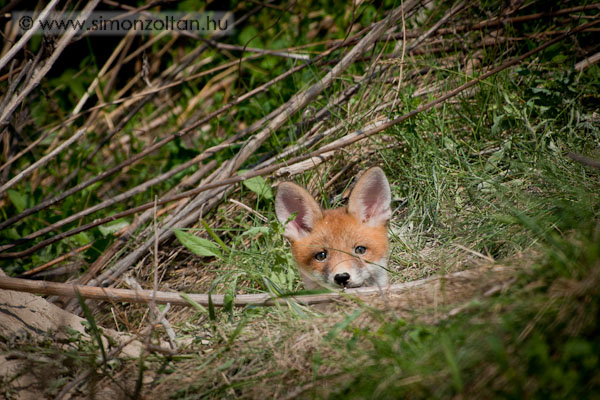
483	178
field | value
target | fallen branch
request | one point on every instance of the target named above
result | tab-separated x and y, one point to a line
587	62
242	300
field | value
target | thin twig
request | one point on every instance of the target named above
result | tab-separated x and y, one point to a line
280	53
57	260
250	210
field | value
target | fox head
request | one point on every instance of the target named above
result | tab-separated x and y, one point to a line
346	246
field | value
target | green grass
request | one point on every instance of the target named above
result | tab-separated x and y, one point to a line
483	177
540	338
489	174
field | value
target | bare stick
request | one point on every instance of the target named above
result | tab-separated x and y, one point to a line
14	82
280	53
155	312
242	300
250	210
101	73
500	21
57	260
41	161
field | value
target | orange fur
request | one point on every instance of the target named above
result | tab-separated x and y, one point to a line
339	233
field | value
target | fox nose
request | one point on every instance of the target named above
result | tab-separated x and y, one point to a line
342	279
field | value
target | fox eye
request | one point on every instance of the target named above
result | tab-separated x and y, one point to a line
360	249
321	256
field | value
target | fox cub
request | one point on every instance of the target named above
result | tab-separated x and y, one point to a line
346	246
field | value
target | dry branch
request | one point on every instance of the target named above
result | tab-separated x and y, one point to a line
175	298
587	62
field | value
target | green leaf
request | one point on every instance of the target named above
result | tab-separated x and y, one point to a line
198	246
340	326
214	236
211	308
237	331
192	302
81	239
226	365
498	125
259	186
113	227
494	160
18	199
256	230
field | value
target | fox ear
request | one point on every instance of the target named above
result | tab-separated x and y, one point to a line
371	197
290	199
